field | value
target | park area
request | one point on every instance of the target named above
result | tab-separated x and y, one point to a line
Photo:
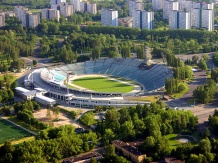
103	84
9	131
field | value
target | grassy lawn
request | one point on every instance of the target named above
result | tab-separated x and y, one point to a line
87	119
9	131
143	98
126	80
101	84
35	10
173	140
178	95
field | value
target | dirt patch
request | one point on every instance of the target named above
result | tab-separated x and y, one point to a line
50	118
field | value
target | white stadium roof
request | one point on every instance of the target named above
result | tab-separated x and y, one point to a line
23	90
44	98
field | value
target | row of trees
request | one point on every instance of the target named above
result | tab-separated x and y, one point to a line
24	112
12	47
205	93
51	145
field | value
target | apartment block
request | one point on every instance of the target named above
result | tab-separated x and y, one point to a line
143	19
53	2
135	5
184	20
76	4
168	7
92	8
66	9
50	14
180	19
196	18
157	4
34	20
109	17
208	19
173	20
54	14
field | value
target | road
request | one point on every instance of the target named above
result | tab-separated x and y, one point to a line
200	79
200	110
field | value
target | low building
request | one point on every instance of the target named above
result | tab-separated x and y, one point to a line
126	22
43	100
129	151
20	91
83	158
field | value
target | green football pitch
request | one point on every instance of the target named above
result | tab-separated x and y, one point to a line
103	84
9	131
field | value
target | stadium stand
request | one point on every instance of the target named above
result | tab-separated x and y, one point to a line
151	77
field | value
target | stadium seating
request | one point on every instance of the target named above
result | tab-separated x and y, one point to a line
151	77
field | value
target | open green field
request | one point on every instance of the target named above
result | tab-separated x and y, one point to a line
9	131
102	84
173	140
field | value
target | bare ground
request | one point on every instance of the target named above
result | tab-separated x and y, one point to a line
60	120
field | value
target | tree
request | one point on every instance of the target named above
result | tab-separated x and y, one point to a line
109	150
108	137
56	111
205	146
93	160
127	131
206	57
207	133
203	64
195	59
95	53
34	62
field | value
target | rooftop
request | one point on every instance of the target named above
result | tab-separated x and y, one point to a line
44	98
21	89
128	147
82	157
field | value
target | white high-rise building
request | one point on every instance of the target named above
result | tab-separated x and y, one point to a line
92	8
19	11
83	6
184	20
2	19
185	5
143	19
54	14
54	6
76	4
109	17
50	14
135	5
44	13
147	20
208	19
157	4
66	9
136	19
168	7
180	19
173	20
34	20
196	18
54	2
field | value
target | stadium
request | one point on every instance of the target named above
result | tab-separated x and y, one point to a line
79	84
